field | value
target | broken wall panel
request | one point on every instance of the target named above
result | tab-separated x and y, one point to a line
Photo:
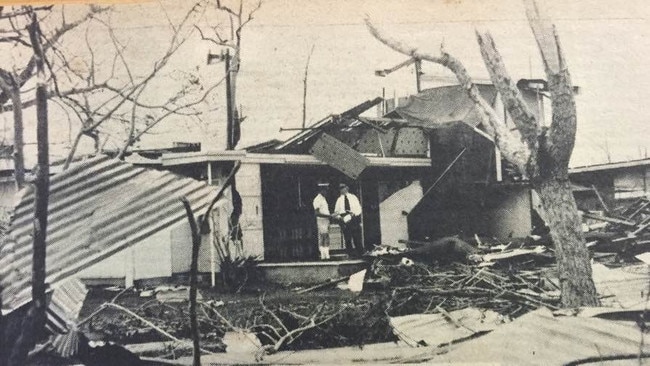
339	156
393	213
249	187
411	141
375	142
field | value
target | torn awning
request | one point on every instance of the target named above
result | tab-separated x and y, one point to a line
339	156
97	208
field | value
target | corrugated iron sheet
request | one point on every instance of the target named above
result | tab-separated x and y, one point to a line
624	287
65	305
96	208
540	338
436	329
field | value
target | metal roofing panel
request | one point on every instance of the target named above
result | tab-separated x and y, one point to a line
540	338
624	287
339	156
96	208
65	304
440	106
437	329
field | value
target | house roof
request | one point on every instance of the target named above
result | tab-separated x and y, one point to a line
290	159
440	106
97	207
610	166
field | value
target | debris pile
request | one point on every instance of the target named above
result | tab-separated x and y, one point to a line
624	231
510	291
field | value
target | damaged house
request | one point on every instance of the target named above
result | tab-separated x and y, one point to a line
617	183
424	169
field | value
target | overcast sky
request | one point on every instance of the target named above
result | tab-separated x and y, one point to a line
607	46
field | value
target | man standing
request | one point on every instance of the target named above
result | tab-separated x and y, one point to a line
322	212
348	211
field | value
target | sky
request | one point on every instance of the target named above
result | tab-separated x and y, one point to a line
607	47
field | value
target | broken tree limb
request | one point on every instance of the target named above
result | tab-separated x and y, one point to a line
151	324
291	335
509	142
523	118
196	244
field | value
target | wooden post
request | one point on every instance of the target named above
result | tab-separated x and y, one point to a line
418	73
229	111
213	263
129	268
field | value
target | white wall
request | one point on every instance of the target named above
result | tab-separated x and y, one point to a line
630	184
151	258
393	223
249	186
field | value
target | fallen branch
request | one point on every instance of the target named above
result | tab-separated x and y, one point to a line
326	283
149	323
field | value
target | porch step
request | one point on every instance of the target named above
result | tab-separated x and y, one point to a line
309	273
339	257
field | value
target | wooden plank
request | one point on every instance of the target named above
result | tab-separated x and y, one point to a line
608	219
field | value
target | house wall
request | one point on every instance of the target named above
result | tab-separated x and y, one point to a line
509	213
7	192
151	258
617	187
630	183
160	255
249	186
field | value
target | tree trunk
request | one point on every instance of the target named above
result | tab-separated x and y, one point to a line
33	325
194	269
19	160
571	253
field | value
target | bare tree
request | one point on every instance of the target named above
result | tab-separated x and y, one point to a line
33	325
109	93
15	77
539	153
122	97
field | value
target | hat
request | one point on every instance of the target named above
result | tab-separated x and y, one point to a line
323	184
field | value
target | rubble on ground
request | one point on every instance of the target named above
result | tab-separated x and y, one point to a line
625	231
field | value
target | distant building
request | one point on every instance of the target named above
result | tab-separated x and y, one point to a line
617	183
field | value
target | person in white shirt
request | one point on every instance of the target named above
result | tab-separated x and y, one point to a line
348	213
322	212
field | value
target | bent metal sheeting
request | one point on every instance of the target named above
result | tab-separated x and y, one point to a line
96	208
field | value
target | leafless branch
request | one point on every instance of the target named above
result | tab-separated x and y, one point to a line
513	149
523	118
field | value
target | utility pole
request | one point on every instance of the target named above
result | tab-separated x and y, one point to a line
418	73
230	123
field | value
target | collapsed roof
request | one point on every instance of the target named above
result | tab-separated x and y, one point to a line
97	207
